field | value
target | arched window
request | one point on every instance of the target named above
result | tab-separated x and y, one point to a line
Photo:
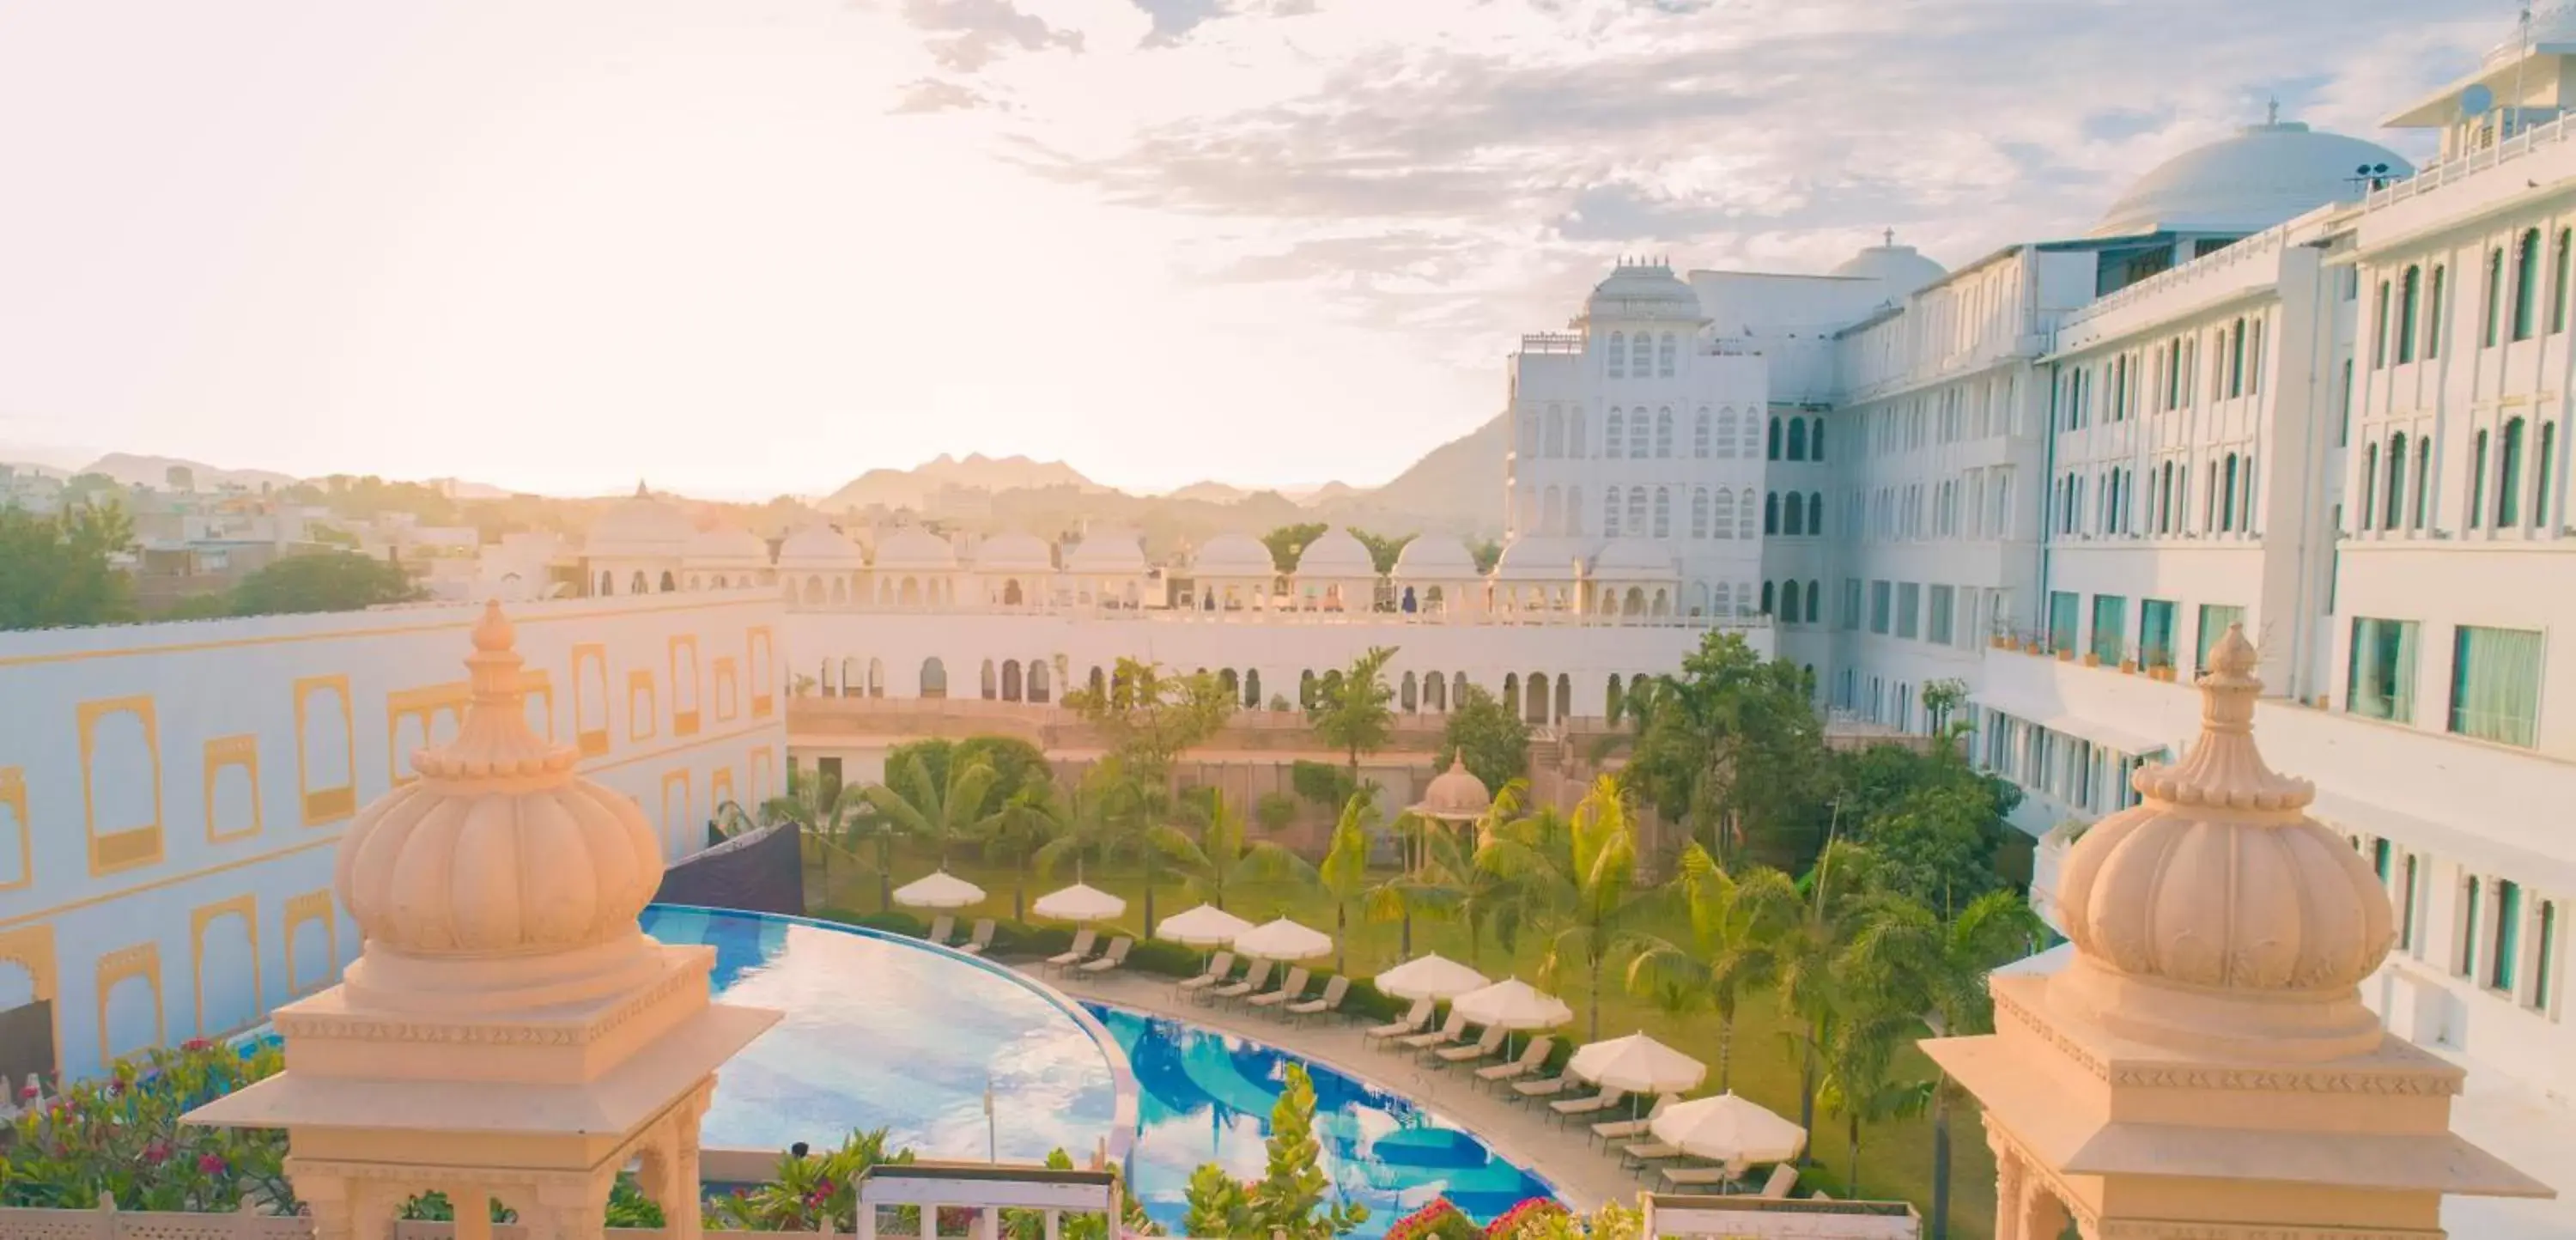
607	584
1576	443
1511	688
2408	289
991	683
2526	284
1794	522
2490	315
1574	510
1618	357
2558	283
1744	513
2396	506
1663	433
1816	442
1666	350
1610	442
1435	691
1636	512
1011	680
1767	597
1611	702
2477	479
1699	435
934	678
1771	516
1797	439
1641	355
1551	517
2433	308
2227	503
2254	358
1610	513
1409	695
1663	512
1564	695
1815	599
1789	612
1252	688
1815	514
2370	483
1771	446
1699	512
2424	473
1727	433
2380	328
2509	476
2540	475
1637	430
1555	445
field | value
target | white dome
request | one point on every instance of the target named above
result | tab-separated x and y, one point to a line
1540	559
1233	555
640	526
1336	554
1014	552
915	549
1633	557
1434	556
726	547
1644	291
2265	175
1900	267
820	547
1106	554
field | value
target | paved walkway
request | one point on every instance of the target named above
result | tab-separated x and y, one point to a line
1565	1155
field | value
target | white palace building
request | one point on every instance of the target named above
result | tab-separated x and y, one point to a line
2286	380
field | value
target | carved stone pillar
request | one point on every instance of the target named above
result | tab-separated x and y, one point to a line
2043	1216
570	1209
334	1206
681	1206
2009	1178
473	1206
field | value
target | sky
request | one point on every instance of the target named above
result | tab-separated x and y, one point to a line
751	247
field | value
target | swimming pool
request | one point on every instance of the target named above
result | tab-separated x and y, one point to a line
1206	1097
885	1032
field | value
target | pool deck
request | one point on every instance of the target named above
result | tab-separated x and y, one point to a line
1563	1154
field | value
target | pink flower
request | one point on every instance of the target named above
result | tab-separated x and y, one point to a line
156	1152
196	1044
27	1093
211	1164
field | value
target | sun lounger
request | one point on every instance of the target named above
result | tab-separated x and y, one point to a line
1293	988
942	929
1454	1031
1079	952
1702	1176
1252	980
1623	1129
1482	1048
1783	1178
1548	1088
1413	1020
983	938
1111	959
1334	992
1215	975
1648	1151
1529	1062
1594	1105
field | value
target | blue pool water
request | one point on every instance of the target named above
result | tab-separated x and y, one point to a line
1207	1098
882	1032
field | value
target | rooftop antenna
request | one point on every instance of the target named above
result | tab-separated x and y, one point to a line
1888	238
2272	112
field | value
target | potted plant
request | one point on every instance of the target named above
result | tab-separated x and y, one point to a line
2129	660
2066	654
2092	658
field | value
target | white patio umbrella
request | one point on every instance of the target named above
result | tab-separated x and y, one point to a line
1431	976
940	889
1283	940
1078	903
1514	1004
1204	926
1637	1064
1726	1128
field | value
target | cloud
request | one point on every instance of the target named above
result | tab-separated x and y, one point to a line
926	95
967	35
1174	19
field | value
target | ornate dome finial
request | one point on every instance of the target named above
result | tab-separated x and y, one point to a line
2217	914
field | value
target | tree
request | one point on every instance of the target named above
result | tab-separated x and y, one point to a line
1116	817
1288	1200
324	581
1809	954
55	571
1579	875
1382	549
1150	718
1492	738
1447	882
1488	552
1859	1080
1735	749
943	815
828	814
1289	542
1016	763
1353	714
1941	697
1344	874
1737	926
1934	822
1222	858
1016	833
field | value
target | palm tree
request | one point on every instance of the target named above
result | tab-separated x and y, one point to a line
1859	1056
1019	830
1352	714
1737	928
1223	858
1809	954
920	807
1448	883
1344	874
829	815
1939	971
1113	818
1580	877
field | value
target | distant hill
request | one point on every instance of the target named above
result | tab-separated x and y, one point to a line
1456	487
33	469
1328	493
130	469
1210	493
911	488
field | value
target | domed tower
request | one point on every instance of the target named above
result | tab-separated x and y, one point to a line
507	1032
2205	1066
2260	176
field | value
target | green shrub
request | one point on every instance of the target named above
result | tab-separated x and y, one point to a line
1166	959
1274	811
892	921
1322	783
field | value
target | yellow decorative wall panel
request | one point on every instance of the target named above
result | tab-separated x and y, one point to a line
539	689
684	685
18	845
761	763
720	788
126	845
231	753
761	651
643	706
423	709
32	948
244	906
301	913
139	962
590	698
326	749
676	812
728	686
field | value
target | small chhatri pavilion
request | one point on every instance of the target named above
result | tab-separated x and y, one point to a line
2205	1069
508	1033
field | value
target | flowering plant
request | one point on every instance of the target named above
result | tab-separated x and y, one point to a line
120	1135
1529	1220
1440	1220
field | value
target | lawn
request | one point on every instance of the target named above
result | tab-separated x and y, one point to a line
1896	1157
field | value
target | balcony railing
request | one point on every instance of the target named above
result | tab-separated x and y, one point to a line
2461	167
